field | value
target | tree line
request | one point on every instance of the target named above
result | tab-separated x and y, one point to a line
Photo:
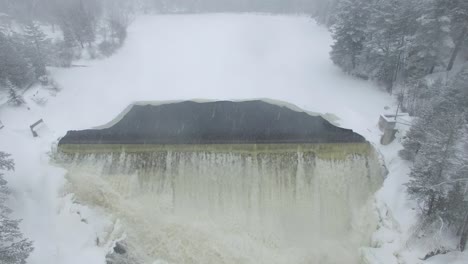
233	6
93	29
14	248
36	34
29	42
417	49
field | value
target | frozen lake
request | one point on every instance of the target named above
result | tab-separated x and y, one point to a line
181	57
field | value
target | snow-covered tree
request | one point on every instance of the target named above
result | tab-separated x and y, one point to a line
457	204
349	33
435	163
36	41
14	97
13	65
389	24
437	145
459	26
78	20
429	46
14	248
460	85
35	36
324	10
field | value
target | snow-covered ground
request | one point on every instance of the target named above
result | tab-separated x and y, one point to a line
215	57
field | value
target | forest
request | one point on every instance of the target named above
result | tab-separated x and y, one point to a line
90	29
416	50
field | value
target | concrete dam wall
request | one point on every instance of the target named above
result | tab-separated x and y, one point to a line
227	182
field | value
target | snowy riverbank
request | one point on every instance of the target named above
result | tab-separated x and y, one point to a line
185	57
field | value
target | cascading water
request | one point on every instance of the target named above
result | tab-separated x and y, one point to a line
227	182
308	203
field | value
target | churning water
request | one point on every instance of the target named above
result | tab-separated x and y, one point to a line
237	204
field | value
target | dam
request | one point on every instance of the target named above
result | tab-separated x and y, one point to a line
227	182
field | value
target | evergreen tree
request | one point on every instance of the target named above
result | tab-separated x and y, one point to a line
456	206
415	138
402	42
14	248
382	48
458	203
14	98
435	162
36	42
78	20
459	85
459	17
13	65
432	40
35	36
349	33
439	177
84	17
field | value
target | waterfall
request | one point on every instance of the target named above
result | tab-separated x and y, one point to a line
234	204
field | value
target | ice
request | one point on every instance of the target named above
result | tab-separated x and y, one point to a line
182	57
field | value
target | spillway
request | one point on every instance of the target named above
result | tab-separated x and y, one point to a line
287	193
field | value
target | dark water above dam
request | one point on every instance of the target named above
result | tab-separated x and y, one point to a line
259	201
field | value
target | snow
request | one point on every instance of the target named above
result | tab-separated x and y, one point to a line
50	219
214	57
452	258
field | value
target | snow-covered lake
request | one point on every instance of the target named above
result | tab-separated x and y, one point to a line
215	57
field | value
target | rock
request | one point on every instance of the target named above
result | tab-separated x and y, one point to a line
120	255
120	248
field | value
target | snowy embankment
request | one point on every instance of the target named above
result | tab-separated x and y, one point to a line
186	57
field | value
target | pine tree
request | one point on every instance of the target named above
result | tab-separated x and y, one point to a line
349	33
83	19
434	165
14	98
36	42
416	136
35	36
13	65
414	140
68	37
429	46
390	23
458	204
460	86
14	248
78	20
459	17
439	177
398	41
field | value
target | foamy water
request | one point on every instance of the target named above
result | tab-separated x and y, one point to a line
251	207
